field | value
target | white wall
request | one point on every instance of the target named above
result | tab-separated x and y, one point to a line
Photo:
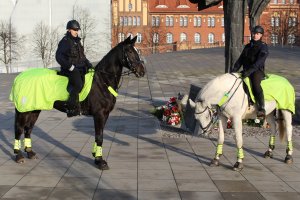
56	13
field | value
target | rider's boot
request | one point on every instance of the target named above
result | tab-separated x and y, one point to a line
73	106
261	113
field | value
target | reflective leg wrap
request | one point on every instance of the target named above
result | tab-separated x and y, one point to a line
219	151
94	148
27	142
272	143
289	149
240	154
17	145
98	151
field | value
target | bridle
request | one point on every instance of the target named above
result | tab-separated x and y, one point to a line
129	64
212	116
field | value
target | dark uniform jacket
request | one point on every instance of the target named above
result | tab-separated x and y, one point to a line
252	58
70	52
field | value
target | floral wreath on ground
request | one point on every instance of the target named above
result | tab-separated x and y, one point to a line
170	113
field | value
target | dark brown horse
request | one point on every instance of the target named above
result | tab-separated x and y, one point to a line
98	104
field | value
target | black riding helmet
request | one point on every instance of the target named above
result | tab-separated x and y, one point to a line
258	29
73	24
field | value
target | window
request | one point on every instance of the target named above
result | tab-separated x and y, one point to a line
138	21
185	22
197	38
169	38
283	1
197	21
294	23
139	38
212	22
291	1
157	21
183	37
277	21
129	21
273	21
222	22
153	21
155	38
121	21
171	21
129	34
275	1
167	21
208	22
291	39
274	38
223	37
121	37
134	21
211	38
125	21
181	21
290	22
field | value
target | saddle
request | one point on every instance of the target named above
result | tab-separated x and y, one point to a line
39	88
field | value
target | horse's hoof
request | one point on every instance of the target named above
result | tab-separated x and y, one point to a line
288	159
238	166
268	154
214	163
102	164
20	158
32	155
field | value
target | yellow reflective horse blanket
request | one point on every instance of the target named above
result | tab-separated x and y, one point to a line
279	89
39	88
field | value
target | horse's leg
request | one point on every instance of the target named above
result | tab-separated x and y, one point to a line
99	123
28	129
219	150
19	129
287	116
271	121
237	124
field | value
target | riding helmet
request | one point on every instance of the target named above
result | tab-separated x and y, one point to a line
73	24
258	29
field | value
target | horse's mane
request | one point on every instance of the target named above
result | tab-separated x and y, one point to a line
216	85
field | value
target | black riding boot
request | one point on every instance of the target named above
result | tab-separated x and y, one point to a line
261	113
73	106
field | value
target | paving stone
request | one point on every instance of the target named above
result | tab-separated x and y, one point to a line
242	195
234	186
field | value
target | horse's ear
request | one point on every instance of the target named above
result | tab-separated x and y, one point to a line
133	40
192	103
127	40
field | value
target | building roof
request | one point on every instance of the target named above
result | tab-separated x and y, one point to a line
181	6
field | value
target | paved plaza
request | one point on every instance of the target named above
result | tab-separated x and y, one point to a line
148	161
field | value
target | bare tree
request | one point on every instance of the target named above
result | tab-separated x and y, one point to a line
154	38
45	43
10	44
87	25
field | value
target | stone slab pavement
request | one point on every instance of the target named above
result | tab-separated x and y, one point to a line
145	163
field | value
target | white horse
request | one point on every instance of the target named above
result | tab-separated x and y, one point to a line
226	93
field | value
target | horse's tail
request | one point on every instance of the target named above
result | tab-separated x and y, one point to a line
281	125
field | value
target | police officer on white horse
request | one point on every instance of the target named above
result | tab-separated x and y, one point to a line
253	59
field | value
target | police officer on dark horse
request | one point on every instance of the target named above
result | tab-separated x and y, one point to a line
253	59
74	65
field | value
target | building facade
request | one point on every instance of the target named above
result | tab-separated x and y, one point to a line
281	22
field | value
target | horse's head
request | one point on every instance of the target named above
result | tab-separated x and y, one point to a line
203	114
131	58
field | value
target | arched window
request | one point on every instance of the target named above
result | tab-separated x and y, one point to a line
171	21
183	37
155	38
139	38
121	37
211	38
125	21
181	21
129	21
169	38
197	38
134	21
138	21
167	21
185	22
199	21
208	22
195	21
291	39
